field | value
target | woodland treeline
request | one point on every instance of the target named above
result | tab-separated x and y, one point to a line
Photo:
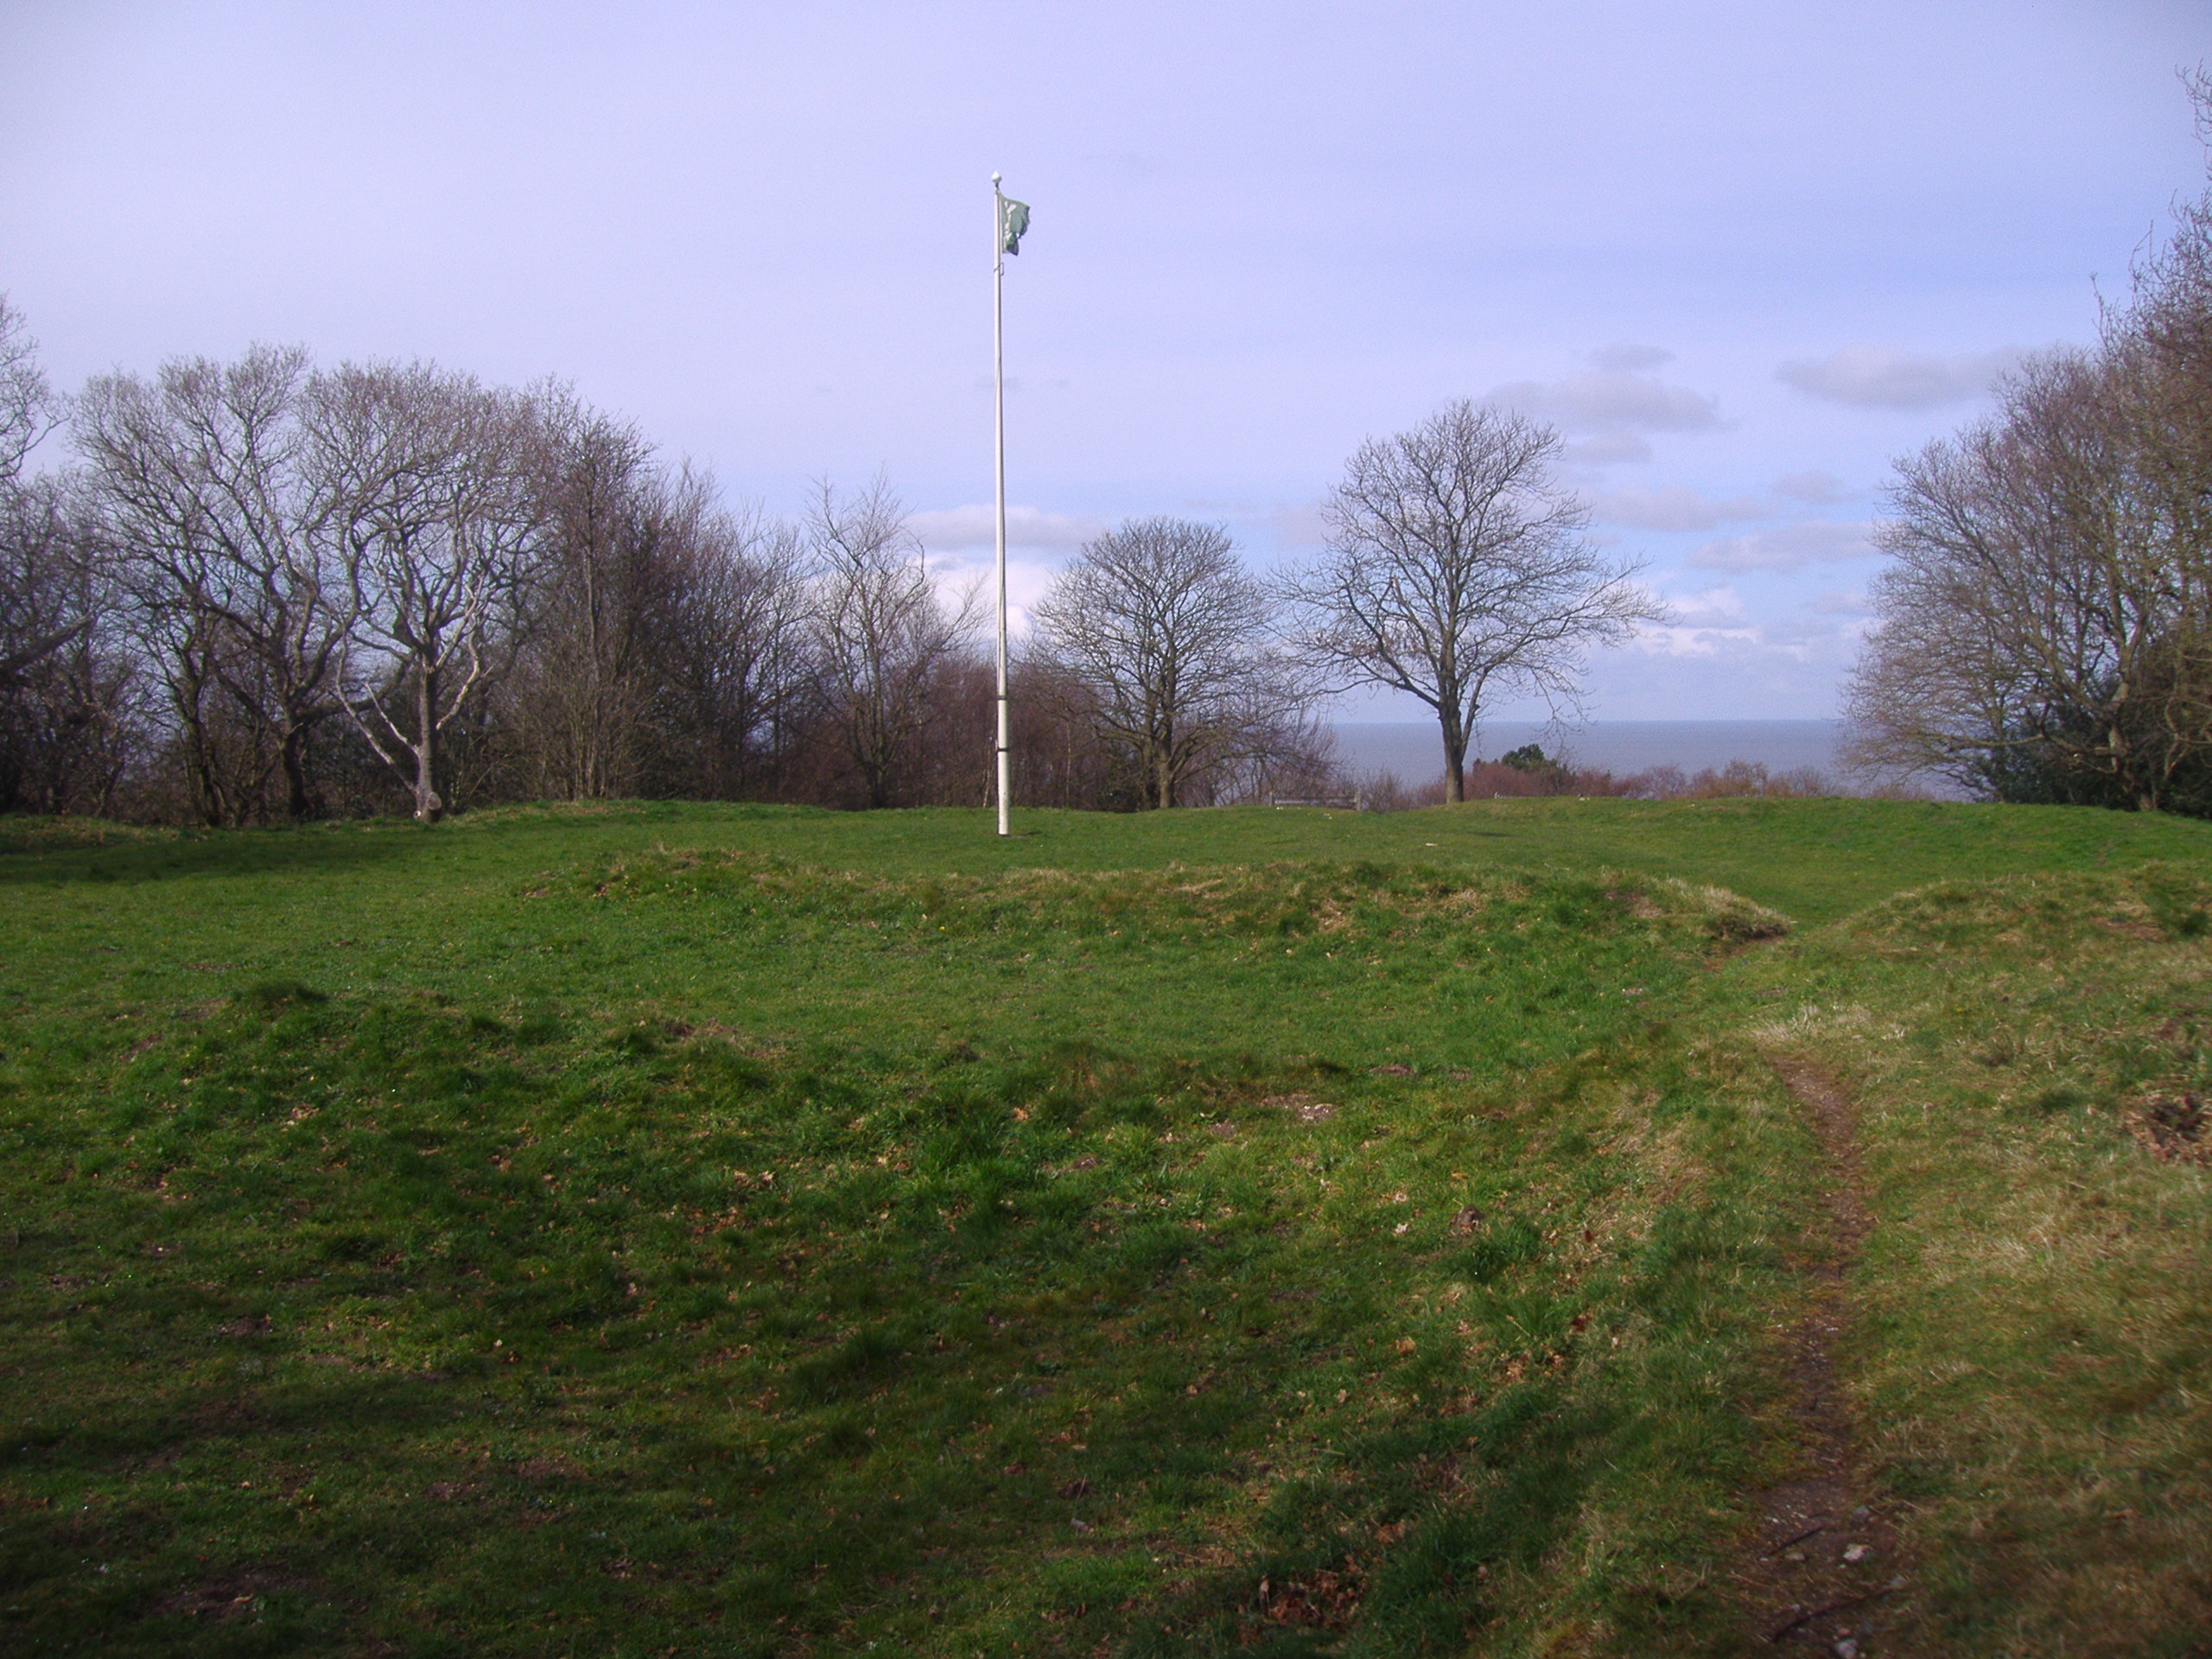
265	590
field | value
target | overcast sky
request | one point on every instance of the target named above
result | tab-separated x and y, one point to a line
1742	254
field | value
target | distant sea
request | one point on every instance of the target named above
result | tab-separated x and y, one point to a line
1413	750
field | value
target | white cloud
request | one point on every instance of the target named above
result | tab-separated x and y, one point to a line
1722	654
1688	640
1876	377
1672	506
952	529
1717	624
1820	489
1785	547
1732	674
1609	410
1712	607
1026	582
1800	630
1696	625
1612	401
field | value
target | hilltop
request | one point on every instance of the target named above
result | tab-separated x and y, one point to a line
1523	1227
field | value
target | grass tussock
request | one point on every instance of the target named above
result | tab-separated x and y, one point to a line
1724	917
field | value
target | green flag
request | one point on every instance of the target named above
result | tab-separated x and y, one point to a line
1014	223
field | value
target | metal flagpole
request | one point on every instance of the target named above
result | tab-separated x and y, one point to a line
998	416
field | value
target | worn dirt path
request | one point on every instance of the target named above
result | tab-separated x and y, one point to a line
1822	1574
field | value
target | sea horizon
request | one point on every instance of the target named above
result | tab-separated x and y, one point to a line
1413	750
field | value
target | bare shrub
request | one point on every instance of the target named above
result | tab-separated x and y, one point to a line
1383	791
1737	779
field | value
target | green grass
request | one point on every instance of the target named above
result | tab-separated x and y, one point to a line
2036	1340
759	1230
1816	860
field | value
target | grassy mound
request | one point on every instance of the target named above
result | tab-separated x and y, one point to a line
753	1231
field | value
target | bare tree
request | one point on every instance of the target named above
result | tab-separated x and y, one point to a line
664	644
1057	759
212	498
2045	628
30	627
731	627
881	636
1458	573
1170	643
36	644
28	409
72	715
586	682
432	481
2044	632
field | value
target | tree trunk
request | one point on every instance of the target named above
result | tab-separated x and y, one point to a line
293	755
200	756
1455	754
428	806
214	811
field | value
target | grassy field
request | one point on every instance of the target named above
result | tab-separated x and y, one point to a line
753	1231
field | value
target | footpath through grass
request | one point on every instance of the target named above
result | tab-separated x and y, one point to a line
2031	1366
749	1230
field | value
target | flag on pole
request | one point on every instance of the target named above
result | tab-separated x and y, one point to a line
1014	223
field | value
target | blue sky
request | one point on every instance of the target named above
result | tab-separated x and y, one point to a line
1744	255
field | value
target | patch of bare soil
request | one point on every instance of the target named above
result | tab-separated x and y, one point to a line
1301	1105
1319	1601
2175	1127
1822	1573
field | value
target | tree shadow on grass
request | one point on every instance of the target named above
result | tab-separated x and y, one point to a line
284	1515
219	853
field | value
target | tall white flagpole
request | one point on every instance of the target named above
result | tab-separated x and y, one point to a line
998	416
